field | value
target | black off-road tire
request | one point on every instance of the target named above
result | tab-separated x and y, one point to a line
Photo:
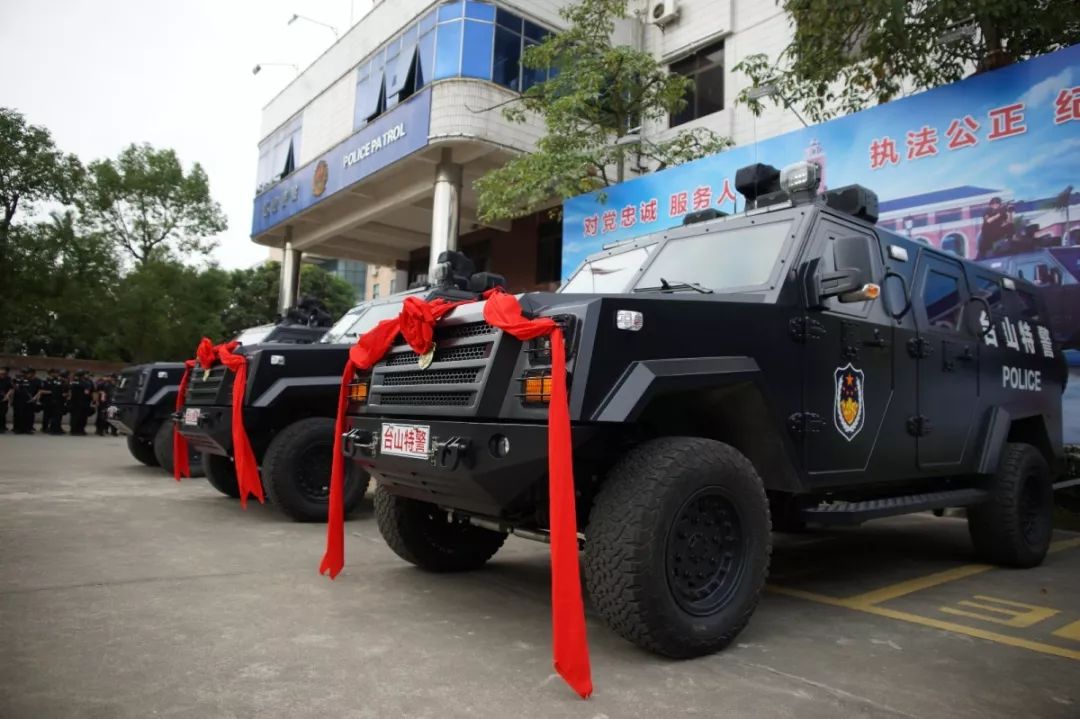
142	450
296	471
419	533
1015	526
163	451
221	474
677	546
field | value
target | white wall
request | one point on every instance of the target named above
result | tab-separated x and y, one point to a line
747	27
454	105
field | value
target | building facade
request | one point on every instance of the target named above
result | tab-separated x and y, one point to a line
371	153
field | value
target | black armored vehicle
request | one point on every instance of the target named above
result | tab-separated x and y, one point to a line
289	405
792	363
146	394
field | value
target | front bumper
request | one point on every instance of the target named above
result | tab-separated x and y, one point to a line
463	470
133	419
212	433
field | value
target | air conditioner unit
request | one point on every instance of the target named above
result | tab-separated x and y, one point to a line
663	12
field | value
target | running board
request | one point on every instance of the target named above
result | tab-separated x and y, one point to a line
858	512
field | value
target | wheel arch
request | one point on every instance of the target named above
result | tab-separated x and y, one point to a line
721	398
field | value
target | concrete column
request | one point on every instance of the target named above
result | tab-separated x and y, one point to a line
290	275
446	208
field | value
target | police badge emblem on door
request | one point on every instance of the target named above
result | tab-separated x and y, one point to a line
849	409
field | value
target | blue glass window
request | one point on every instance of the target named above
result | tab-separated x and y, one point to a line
408	38
450	10
480	11
392	49
370	98
529	76
425	72
427	22
476	50
507	70
400	79
448	50
508	20
534	31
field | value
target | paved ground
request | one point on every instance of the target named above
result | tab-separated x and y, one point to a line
123	594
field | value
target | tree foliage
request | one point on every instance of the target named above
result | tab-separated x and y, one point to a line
32	169
254	294
61	298
600	94
150	205
849	54
163	308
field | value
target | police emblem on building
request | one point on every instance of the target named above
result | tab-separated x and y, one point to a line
318	182
849	407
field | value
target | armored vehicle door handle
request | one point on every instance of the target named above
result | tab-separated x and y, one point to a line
966	356
876	341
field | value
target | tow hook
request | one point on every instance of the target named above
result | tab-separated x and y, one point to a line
358	440
451	453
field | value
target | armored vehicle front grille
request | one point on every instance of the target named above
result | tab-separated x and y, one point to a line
207	391
439	376
442	354
453	384
426	399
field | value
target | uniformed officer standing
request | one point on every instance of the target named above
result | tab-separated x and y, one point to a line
7	388
63	403
104	399
27	391
45	399
82	399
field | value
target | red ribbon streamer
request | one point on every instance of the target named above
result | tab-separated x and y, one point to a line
180	448
416	323
247	469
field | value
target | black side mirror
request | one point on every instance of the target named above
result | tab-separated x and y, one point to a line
850	281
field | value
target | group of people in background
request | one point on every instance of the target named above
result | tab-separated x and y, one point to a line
59	393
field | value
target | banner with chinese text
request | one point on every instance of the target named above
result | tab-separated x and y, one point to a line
961	167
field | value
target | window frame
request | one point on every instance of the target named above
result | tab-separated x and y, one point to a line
697	58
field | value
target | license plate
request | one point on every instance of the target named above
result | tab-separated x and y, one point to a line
191	416
406	440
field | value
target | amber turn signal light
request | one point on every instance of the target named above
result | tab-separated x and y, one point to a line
537	389
358	392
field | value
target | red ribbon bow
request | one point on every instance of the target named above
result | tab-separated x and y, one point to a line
247	469
416	324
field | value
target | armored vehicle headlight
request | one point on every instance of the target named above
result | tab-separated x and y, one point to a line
536	388
800	177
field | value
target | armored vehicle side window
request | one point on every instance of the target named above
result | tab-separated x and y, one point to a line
991	289
1029	305
941	296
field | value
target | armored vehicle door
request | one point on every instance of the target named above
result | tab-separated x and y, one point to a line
847	368
947	356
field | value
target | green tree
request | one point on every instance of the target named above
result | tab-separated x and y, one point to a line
848	54
32	169
591	107
63	290
254	294
163	308
152	208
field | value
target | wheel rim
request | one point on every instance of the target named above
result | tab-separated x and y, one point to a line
705	552
1031	510
313	472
